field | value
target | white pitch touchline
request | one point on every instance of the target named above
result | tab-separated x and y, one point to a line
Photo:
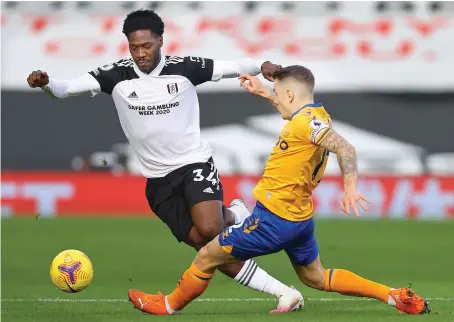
253	299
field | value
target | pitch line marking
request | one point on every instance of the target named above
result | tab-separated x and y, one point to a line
252	299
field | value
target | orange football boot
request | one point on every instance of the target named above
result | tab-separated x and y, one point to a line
148	303
407	301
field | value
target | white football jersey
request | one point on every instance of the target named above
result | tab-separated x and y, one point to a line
159	112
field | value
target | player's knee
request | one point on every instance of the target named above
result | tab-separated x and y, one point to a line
195	239
210	230
204	259
202	254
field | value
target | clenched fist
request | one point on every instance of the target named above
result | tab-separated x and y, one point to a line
268	69
38	79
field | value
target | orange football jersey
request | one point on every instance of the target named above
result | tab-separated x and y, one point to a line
296	165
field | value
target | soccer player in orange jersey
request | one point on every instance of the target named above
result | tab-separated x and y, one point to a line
283	216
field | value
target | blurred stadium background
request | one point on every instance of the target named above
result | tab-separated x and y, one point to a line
384	71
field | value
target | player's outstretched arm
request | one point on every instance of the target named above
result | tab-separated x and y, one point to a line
232	69
200	70
254	86
346	157
63	88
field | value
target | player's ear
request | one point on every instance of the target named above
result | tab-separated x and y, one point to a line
290	95
160	42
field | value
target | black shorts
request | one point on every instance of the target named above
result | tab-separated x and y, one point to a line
172	197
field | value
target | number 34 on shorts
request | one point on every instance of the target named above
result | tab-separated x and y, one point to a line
211	175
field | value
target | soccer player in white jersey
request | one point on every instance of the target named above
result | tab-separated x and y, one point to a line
156	101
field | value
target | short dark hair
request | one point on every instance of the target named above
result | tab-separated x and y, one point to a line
298	72
143	20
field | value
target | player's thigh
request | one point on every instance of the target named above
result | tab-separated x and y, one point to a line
207	218
204	195
213	255
302	249
304	255
166	200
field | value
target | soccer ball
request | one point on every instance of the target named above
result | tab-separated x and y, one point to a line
71	271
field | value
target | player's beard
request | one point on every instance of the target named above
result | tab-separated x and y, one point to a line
154	63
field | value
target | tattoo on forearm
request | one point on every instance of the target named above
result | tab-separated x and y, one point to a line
273	99
349	169
346	155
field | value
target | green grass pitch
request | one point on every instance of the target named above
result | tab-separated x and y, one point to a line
141	253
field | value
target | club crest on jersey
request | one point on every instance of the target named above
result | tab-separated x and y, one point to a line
172	88
317	127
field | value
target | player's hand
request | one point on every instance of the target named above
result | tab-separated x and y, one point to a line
37	79
351	198
268	70
253	85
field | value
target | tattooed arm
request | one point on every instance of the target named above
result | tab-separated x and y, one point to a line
271	97
256	87
346	157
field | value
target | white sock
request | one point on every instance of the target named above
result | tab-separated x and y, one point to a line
240	211
391	301
252	276
169	309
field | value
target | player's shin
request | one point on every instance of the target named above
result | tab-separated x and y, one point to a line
191	285
348	283
252	276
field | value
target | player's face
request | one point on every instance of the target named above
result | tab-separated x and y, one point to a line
283	99
145	49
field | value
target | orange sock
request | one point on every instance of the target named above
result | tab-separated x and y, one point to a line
192	284
348	283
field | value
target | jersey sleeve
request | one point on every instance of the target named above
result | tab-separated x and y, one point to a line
108	76
235	68
311	129
72	87
198	70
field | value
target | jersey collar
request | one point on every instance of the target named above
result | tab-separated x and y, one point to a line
154	72
319	104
